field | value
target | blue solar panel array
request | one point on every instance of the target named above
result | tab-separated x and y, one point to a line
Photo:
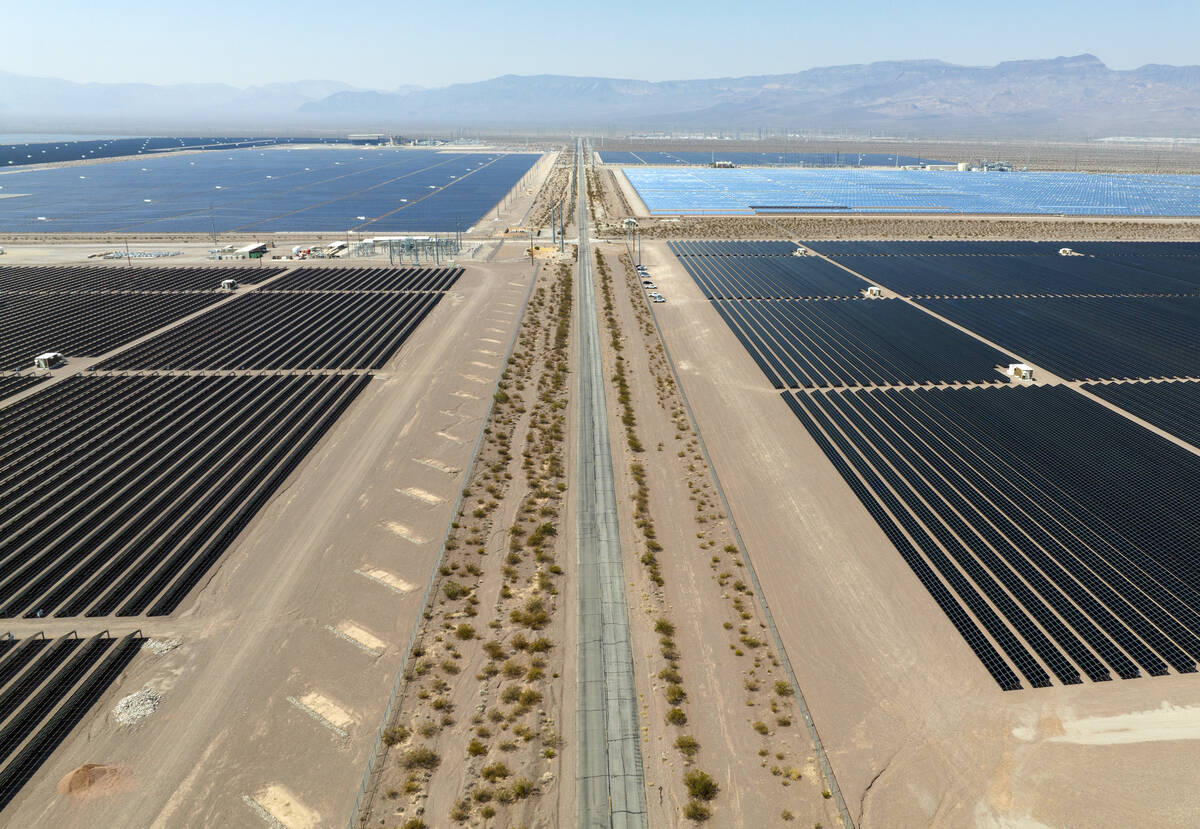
366	190
699	191
50	152
1074	555
750	159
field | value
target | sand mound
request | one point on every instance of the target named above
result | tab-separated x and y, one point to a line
93	780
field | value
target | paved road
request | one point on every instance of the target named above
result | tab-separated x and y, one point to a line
611	791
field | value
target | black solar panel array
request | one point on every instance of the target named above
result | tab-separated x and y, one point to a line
46	687
1173	407
1016	275
1089	338
1140	249
725	248
72	278
263	330
858	249
13	383
160	474
856	343
750	275
366	279
806	324
1059	531
84	324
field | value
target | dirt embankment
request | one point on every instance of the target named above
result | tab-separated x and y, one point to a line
719	715
476	732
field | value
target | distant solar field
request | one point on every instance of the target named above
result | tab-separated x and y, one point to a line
699	191
51	152
252	191
742	159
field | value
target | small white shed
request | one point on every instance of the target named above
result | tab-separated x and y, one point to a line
48	360
1019	371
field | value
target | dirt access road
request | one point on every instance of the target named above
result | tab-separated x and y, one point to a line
917	732
271	702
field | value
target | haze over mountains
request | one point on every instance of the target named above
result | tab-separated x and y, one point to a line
1071	97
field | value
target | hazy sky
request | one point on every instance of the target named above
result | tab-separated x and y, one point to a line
384	45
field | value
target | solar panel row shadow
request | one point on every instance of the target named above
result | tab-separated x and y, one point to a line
1089	338
1172	407
46	688
281	330
60	278
85	324
159	476
366	279
1055	533
856	343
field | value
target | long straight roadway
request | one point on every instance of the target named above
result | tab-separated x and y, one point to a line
610	787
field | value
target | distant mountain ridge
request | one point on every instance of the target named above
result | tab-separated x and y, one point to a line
1065	97
32	97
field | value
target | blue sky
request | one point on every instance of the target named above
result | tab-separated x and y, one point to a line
384	45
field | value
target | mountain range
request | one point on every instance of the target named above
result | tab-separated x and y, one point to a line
1066	97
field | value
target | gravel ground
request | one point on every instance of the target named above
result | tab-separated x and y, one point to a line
136	707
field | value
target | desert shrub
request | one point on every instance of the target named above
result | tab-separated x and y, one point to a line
394	734
421	757
495	771
675	716
687	745
701	785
